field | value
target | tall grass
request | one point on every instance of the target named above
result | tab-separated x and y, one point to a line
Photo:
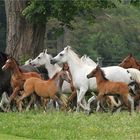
69	126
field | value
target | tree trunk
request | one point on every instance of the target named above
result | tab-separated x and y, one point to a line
24	39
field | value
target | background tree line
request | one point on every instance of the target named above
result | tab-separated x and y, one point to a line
106	28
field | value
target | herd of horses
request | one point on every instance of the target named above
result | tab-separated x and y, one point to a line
113	87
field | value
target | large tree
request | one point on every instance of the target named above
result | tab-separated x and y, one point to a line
23	37
26	20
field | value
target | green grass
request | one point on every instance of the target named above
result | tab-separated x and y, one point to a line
69	126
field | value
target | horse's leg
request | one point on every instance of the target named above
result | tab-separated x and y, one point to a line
90	100
80	96
74	94
19	101
14	94
131	100
126	99
32	100
56	99
99	104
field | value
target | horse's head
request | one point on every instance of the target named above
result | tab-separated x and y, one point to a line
42	59
10	64
61	76
65	67
128	62
64	75
62	57
93	72
28	62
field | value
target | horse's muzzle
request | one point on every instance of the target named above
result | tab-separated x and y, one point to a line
53	61
3	68
88	76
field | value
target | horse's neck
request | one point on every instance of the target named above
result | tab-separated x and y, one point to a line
74	65
16	71
52	69
137	66
100	79
57	81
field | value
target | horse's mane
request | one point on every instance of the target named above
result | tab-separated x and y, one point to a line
75	55
55	75
137	62
103	74
16	63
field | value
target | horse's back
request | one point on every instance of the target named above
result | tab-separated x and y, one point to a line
29	68
117	74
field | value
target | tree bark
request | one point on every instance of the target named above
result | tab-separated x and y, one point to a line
24	39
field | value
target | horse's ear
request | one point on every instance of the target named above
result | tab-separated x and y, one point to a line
68	47
97	67
85	56
9	56
130	55
45	51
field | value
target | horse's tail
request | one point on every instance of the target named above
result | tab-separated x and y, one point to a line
113	101
64	99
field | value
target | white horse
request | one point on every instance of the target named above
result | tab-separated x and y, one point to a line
79	71
28	62
44	59
87	60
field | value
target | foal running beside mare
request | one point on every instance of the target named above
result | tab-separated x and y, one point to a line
17	76
107	87
44	88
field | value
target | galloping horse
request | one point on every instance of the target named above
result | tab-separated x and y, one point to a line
130	62
133	67
18	77
112	102
79	70
107	87
44	59
44	88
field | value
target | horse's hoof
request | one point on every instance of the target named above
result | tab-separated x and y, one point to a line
87	111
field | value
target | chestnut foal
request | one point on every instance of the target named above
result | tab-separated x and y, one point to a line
107	87
17	76
44	88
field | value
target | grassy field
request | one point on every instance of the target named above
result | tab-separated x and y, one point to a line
69	126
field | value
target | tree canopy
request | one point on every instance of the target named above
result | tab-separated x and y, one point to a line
40	11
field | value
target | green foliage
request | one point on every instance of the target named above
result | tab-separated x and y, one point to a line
23	59
40	11
36	11
114	34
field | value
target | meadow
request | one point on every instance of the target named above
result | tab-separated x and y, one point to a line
36	125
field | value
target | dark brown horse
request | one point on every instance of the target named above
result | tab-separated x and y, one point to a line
44	88
107	87
130	62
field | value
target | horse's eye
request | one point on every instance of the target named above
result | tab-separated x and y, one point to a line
38	57
61	54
